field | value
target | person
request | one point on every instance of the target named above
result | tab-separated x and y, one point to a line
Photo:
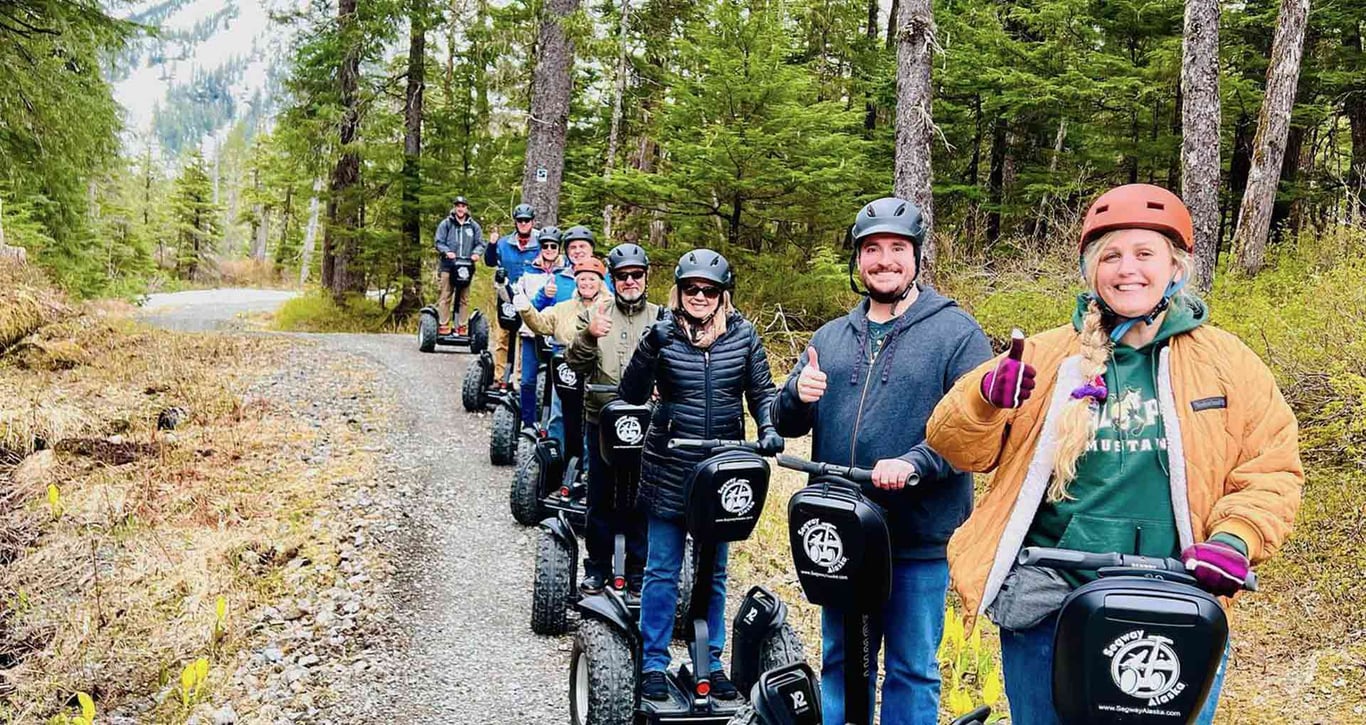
458	236
561	321
579	244
512	253
534	276
1138	428
864	389
706	362
608	334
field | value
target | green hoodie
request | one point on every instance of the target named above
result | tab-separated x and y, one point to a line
1121	498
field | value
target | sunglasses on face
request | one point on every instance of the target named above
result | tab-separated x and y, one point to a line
705	290
629	276
550	246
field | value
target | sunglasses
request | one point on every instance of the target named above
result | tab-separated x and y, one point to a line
629	276
549	245
705	290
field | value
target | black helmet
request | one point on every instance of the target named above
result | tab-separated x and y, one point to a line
551	234
524	212
627	255
460	200
579	233
889	215
704	264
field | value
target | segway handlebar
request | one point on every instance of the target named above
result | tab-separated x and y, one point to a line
713	444
857	475
602	389
1070	559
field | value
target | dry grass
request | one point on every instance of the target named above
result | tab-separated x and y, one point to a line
27	302
114	590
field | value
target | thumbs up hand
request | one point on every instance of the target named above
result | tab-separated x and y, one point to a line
1012	382
601	324
811	381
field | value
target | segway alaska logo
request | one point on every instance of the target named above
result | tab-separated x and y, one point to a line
823	545
1145	667
567	375
737	497
628	431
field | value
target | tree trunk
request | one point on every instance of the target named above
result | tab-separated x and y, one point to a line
995	179
892	24
1200	119
340	242
914	125
614	135
869	104
410	249
310	233
1254	219
1290	173
1355	108
551	84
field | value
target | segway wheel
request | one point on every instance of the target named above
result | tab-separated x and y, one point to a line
503	437
426	332
479	334
746	715
781	647
553	586
472	388
601	676
526	490
683	625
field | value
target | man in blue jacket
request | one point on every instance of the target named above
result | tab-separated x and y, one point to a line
514	253
864	390
458	236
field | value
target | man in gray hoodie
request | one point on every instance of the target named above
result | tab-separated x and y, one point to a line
864	390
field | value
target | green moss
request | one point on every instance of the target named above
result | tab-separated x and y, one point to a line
317	311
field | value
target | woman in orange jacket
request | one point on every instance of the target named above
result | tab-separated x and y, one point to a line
1137	429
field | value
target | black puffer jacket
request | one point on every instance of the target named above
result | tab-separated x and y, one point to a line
701	394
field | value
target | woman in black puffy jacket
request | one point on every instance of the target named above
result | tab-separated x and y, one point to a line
705	359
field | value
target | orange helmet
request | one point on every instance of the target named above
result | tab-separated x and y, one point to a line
1139	206
591	264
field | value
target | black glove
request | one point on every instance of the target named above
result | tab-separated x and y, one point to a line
657	336
770	443
500	276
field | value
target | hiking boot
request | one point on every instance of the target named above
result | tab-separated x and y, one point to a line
590	585
654	686
721	686
443	329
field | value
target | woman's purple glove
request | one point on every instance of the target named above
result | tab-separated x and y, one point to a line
1012	382
1217	567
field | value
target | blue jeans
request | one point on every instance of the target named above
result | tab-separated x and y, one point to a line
1027	666
659	597
529	363
908	628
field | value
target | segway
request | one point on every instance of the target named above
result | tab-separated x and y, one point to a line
478	392
621	438
476	338
788	695
548	472
843	555
726	497
1140	644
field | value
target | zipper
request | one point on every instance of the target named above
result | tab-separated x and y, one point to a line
706	377
858	417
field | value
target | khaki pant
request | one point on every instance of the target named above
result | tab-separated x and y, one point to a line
502	339
443	303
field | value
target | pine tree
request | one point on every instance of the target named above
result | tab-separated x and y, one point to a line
194	216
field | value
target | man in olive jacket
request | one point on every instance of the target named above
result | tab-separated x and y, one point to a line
609	332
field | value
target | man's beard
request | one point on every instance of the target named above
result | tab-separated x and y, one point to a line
885	298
